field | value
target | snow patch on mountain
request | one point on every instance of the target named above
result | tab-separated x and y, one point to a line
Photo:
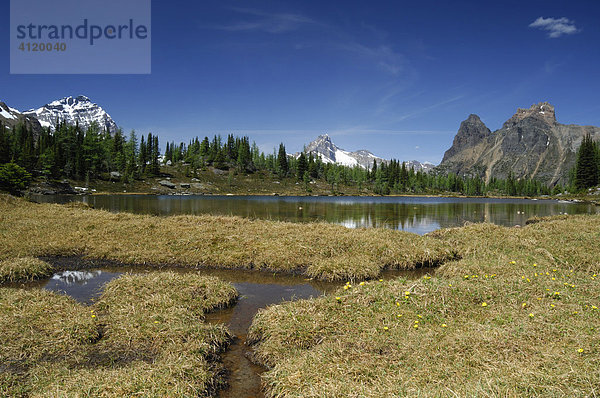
345	158
330	153
73	110
8	113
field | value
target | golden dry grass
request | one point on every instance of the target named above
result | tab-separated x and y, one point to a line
145	337
23	269
517	316
319	250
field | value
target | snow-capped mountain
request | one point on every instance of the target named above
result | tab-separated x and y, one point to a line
73	110
416	165
330	153
10	117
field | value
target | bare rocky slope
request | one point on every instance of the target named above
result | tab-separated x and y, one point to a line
530	144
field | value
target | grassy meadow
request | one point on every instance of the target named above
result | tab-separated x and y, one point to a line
318	250
509	312
516	316
145	336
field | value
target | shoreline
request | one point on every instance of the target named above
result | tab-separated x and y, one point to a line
575	199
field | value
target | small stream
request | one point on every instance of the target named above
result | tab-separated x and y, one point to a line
83	280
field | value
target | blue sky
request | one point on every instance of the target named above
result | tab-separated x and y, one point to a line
394	77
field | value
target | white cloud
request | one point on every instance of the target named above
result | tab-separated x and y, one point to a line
383	56
267	22
556	27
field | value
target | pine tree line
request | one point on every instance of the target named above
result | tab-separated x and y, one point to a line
70	152
73	153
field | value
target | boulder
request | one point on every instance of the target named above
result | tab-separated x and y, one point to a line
166	183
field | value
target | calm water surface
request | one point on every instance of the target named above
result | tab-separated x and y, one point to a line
414	214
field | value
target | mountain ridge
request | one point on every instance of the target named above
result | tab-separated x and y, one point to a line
73	110
331	153
10	117
529	144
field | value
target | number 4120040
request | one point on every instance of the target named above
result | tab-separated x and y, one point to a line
48	47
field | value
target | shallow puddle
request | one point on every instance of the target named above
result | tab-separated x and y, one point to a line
83	280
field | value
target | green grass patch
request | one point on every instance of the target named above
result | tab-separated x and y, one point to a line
146	336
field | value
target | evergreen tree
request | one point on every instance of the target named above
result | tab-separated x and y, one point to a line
155	155
13	178
313	169
373	173
231	151
131	154
143	156
244	158
282	161
302	166
117	150
4	145
220	159
586	165
205	150
168	153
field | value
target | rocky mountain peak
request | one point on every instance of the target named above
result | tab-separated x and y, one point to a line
323	147
531	144
73	110
10	117
70	101
543	111
472	131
